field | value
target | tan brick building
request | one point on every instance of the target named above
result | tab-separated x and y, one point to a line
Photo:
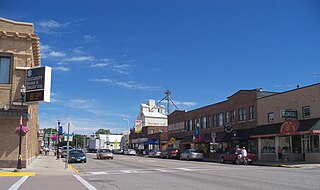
19	50
290	120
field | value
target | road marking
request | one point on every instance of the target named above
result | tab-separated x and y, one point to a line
18	183
99	173
17	173
128	171
72	168
184	169
85	183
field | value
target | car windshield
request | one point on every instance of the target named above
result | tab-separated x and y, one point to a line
105	151
76	152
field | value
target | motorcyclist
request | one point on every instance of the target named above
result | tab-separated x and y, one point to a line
243	154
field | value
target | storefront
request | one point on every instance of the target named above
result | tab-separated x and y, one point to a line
299	140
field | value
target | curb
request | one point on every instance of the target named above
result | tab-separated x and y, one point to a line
72	168
7	174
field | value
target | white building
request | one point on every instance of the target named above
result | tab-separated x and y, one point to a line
111	141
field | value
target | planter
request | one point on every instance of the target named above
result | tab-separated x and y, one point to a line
24	130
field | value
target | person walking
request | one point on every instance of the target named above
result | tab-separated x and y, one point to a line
280	150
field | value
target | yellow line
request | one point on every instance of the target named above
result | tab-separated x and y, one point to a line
17	174
74	169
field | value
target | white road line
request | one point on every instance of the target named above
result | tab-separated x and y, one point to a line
85	183
18	183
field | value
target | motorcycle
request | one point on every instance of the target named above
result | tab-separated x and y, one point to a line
242	160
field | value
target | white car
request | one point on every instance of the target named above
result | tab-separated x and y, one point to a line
130	152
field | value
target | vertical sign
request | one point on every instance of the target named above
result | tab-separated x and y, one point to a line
137	126
38	84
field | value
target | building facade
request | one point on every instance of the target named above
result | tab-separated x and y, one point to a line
290	120
154	127
215	128
19	50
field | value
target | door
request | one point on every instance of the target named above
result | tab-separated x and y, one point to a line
306	146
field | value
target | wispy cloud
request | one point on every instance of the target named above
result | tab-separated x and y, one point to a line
178	103
88	37
49	27
57	54
79	58
113	65
128	85
122	69
48	52
61	68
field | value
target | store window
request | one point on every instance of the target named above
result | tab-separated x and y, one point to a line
5	70
306	112
296	144
205	124
214	120
315	143
252	112
270	117
151	131
284	143
268	145
242	114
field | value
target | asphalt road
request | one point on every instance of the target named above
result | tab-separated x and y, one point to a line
138	173
141	173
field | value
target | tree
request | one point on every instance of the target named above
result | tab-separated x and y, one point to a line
103	131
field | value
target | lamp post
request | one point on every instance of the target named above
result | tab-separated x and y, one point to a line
126	119
58	139
23	93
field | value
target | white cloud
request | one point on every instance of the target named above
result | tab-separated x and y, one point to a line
57	54
49	26
122	69
100	65
79	58
128	85
61	68
178	103
88	37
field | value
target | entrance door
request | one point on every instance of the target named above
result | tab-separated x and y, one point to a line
306	146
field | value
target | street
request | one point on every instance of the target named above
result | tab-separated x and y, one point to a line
134	172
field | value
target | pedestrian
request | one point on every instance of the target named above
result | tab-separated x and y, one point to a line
280	150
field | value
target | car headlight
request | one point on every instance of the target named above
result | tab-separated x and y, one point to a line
83	157
72	157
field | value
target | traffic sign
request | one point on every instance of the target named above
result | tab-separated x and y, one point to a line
172	140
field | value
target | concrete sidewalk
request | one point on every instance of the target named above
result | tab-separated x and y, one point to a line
43	165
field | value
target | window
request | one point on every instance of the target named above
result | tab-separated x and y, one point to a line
221	119
190	125
270	117
242	114
268	145
151	131
214	120
284	143
252	112
233	116
205	123
4	70
227	117
306	111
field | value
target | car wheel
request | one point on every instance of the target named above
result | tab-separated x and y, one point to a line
222	160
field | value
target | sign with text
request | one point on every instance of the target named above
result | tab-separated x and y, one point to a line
288	114
38	84
137	126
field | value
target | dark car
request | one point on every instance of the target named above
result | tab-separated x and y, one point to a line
232	156
77	156
170	153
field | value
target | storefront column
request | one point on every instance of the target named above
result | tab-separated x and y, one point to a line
259	149
277	144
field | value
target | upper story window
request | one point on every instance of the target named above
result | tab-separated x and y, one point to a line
270	117
214	120
205	122
5	70
227	117
242	114
252	112
233	116
151	131
221	119
190	125
306	112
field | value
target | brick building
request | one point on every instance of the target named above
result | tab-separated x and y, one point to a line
217	127
290	120
19	50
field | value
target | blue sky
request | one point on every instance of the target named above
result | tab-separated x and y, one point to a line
108	57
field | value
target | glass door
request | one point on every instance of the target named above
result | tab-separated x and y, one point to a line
306	146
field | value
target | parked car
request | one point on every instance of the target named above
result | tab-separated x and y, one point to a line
232	156
117	151
77	156
191	154
64	151
130	152
104	153
170	153
154	153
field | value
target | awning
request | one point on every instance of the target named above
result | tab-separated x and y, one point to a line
152	141
289	127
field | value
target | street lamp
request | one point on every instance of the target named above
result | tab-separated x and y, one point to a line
126	119
58	139
23	93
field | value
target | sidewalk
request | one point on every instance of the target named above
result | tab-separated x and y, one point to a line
43	165
277	164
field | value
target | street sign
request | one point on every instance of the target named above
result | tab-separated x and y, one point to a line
172	140
66	137
288	114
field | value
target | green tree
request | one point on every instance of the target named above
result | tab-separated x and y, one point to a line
103	131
